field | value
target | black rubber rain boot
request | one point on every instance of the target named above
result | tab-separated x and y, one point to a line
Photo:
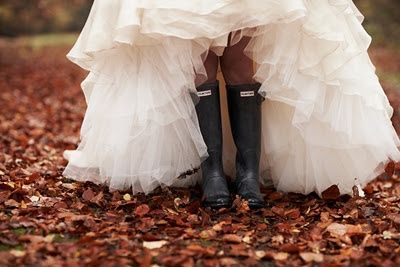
215	187
244	104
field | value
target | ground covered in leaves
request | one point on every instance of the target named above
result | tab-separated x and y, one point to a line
47	220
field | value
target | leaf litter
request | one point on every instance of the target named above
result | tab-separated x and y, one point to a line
48	220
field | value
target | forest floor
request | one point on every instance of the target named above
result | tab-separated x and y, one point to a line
48	220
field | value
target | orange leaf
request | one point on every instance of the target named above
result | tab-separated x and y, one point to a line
142	210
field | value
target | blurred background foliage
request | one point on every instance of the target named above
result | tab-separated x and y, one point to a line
382	20
28	17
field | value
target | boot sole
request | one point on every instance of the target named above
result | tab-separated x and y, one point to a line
219	205
256	206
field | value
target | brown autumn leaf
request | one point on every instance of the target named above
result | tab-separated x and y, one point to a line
88	195
194	219
395	217
337	229
232	238
278	210
238	250
293	214
228	262
284	228
205	217
198	249
33	177
390	168
275	196
332	193
312	257
144	260
208	234
11	203
49	220
142	210
98	198
10	186
4	195
154	244
290	248
280	256
241	205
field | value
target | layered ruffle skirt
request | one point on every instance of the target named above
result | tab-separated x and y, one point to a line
326	120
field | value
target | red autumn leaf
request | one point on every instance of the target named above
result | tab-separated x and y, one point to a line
88	195
390	168
60	205
275	196
49	220
332	193
293	214
142	210
284	228
33	177
241	205
290	248
278	210
145	259
232	238
205	217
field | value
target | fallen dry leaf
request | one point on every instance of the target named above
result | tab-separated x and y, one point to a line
232	238
142	210
127	197
207	234
312	257
154	244
332	193
49	220
280	256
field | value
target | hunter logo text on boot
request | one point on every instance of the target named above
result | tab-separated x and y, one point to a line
204	93
246	93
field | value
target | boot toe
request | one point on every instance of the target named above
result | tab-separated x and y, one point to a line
215	192
255	203
249	189
217	202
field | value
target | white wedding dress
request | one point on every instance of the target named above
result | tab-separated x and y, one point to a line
326	120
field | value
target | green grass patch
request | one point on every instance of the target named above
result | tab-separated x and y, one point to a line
22	231
42	40
4	247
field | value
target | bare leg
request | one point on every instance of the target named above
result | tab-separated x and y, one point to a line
211	66
236	67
